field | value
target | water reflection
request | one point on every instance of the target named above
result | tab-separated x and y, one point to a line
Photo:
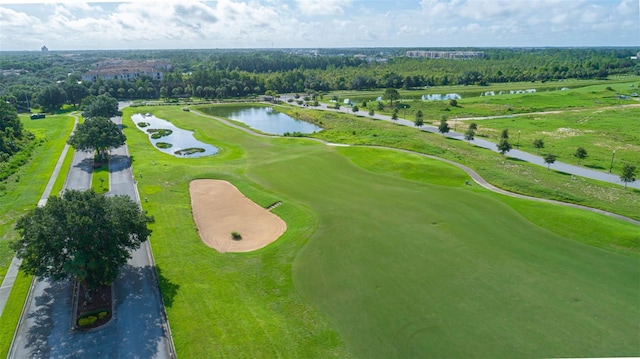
439	97
264	119
170	139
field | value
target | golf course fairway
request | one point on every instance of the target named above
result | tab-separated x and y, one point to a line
375	265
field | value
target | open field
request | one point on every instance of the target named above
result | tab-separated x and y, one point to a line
506	173
475	90
599	131
381	262
587	94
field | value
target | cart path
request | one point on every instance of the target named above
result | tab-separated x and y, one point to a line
479	142
474	175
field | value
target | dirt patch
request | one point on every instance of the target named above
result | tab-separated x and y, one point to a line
220	209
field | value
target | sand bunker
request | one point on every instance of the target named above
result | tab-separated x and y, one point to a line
219	208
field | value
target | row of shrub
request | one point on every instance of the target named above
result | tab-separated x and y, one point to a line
89	319
14	162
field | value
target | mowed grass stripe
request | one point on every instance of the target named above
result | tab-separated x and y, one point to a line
226	305
398	267
394	260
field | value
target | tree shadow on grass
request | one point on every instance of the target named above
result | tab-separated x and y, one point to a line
513	159
168	289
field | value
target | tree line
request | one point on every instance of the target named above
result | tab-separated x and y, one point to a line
54	80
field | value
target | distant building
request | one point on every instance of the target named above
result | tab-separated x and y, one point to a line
129	70
455	55
636	57
44	49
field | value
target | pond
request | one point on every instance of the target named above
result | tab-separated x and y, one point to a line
170	139
439	97
264	119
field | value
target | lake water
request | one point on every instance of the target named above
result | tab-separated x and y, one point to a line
264	119
179	139
439	97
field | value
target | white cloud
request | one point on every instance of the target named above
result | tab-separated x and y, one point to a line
323	7
304	23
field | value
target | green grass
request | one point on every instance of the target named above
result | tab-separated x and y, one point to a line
585	95
11	313
249	305
23	190
22	195
58	186
618	236
510	174
100	179
385	262
475	90
599	131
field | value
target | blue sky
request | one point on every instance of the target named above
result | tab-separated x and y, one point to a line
77	25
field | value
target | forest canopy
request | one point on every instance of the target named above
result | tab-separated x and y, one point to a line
223	74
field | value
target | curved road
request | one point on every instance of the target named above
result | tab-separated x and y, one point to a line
474	175
525	156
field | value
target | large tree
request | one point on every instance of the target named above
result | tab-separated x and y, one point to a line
628	174
100	106
75	92
82	235
391	94
51	98
99	134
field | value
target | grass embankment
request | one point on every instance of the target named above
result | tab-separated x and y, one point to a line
599	131
510	174
470	91
398	266
584	97
11	313
22	193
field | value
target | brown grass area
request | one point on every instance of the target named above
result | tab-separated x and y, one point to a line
219	209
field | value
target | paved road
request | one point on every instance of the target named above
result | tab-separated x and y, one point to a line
82	171
525	156
138	329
